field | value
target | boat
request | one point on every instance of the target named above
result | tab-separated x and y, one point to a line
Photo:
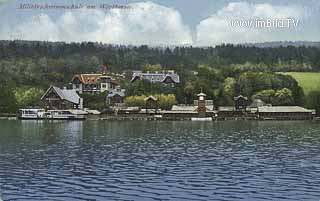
31	114
41	114
201	119
64	115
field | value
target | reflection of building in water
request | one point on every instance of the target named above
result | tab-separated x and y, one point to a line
72	132
68	132
52	132
31	128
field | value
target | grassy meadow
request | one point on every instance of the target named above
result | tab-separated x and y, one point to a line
307	80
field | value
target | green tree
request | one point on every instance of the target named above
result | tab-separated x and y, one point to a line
135	101
266	96
166	101
189	91
313	101
283	97
229	90
94	64
152	67
7	100
28	97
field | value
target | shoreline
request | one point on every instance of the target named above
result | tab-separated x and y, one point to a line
156	118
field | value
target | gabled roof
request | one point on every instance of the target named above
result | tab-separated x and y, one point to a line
175	78
240	96
93	78
201	94
135	77
151	98
65	94
161	76
88	78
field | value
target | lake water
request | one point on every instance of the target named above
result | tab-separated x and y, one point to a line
141	160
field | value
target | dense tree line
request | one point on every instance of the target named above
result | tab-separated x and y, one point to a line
75	56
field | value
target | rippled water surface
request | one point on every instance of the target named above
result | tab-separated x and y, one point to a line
140	160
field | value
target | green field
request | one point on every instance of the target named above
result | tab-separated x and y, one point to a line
308	81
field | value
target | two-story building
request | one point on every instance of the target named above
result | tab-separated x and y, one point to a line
93	83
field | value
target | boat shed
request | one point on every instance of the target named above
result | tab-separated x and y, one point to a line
56	98
285	113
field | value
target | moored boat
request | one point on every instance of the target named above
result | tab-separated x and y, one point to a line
64	115
31	114
201	119
41	114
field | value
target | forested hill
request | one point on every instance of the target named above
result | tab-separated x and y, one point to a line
79	57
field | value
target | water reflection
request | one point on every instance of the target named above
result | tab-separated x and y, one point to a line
140	160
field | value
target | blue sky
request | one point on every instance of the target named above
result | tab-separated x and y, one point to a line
161	22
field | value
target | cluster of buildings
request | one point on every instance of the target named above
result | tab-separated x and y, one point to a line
241	110
57	98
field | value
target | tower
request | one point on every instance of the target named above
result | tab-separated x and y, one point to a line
202	104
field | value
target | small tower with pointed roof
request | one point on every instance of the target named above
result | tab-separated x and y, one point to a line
202	104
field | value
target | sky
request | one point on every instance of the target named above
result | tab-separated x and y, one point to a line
161	22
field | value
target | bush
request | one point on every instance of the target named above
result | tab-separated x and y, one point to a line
135	101
279	97
164	101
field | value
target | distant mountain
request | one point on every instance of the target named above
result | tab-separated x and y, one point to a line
284	44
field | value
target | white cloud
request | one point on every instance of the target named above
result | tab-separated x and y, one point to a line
217	28
153	24
144	23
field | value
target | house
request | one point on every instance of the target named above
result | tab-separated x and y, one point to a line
285	112
115	96
56	98
166	77
93	83
151	104
241	102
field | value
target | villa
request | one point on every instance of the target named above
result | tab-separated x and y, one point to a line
93	83
166	77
